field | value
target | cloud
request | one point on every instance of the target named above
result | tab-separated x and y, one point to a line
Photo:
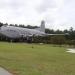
51	12
45	5
58	14
18	11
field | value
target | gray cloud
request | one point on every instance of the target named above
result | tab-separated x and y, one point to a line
46	4
58	14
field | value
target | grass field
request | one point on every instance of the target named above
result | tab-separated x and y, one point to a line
35	59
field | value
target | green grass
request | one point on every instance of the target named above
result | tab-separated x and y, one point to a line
35	59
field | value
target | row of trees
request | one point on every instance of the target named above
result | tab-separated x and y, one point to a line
19	25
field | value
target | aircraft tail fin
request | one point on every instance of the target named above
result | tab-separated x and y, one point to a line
42	28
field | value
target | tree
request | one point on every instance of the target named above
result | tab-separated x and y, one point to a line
6	24
1	24
16	25
21	25
65	31
11	25
49	31
72	34
58	32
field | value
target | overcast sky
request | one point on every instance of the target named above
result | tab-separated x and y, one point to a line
58	14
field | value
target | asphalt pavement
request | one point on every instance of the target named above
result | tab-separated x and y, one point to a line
4	72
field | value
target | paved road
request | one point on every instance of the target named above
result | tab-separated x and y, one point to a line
4	72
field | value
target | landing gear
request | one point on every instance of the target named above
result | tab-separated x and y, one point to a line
29	39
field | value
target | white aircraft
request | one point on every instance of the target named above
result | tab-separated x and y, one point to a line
13	32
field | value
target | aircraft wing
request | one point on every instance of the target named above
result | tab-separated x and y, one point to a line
56	34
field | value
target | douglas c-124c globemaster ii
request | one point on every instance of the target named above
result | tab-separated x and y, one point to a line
12	32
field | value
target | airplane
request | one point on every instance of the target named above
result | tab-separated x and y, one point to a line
13	32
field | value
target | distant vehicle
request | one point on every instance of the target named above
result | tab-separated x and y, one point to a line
13	32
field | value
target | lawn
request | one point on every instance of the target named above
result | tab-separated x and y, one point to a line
36	59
